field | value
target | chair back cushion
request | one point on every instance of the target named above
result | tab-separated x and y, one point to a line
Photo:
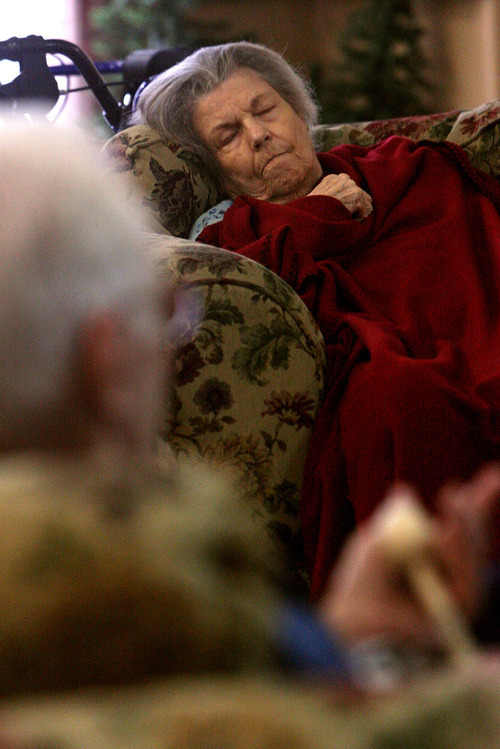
166	178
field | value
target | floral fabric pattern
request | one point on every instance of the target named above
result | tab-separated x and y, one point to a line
249	377
167	180
477	131
433	127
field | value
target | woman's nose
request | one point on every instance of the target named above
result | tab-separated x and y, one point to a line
258	134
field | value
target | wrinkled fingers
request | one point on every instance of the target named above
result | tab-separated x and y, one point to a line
340	186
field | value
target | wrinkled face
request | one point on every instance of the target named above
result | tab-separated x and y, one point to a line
263	147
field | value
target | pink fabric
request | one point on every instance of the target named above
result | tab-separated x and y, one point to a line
408	301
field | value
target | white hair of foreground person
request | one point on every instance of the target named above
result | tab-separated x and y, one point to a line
68	249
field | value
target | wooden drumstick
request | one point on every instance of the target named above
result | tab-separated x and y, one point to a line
404	530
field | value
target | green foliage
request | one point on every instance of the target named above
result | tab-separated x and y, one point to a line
382	73
119	27
383	70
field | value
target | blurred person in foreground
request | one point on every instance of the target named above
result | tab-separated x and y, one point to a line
113	570
113	565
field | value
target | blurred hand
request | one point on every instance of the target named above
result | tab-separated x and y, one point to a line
369	596
343	188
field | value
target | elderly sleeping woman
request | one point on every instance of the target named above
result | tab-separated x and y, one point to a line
394	248
249	116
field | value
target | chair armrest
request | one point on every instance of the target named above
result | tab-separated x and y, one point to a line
249	378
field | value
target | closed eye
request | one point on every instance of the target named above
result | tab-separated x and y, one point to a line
228	136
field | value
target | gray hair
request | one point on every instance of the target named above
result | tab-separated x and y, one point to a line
167	103
69	248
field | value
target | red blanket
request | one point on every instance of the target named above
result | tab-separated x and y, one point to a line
408	301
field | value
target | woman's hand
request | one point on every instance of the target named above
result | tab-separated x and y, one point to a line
343	188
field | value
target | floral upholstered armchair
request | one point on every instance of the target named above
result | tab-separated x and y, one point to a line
249	374
248	382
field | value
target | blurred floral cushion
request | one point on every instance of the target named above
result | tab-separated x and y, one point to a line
109	579
448	710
